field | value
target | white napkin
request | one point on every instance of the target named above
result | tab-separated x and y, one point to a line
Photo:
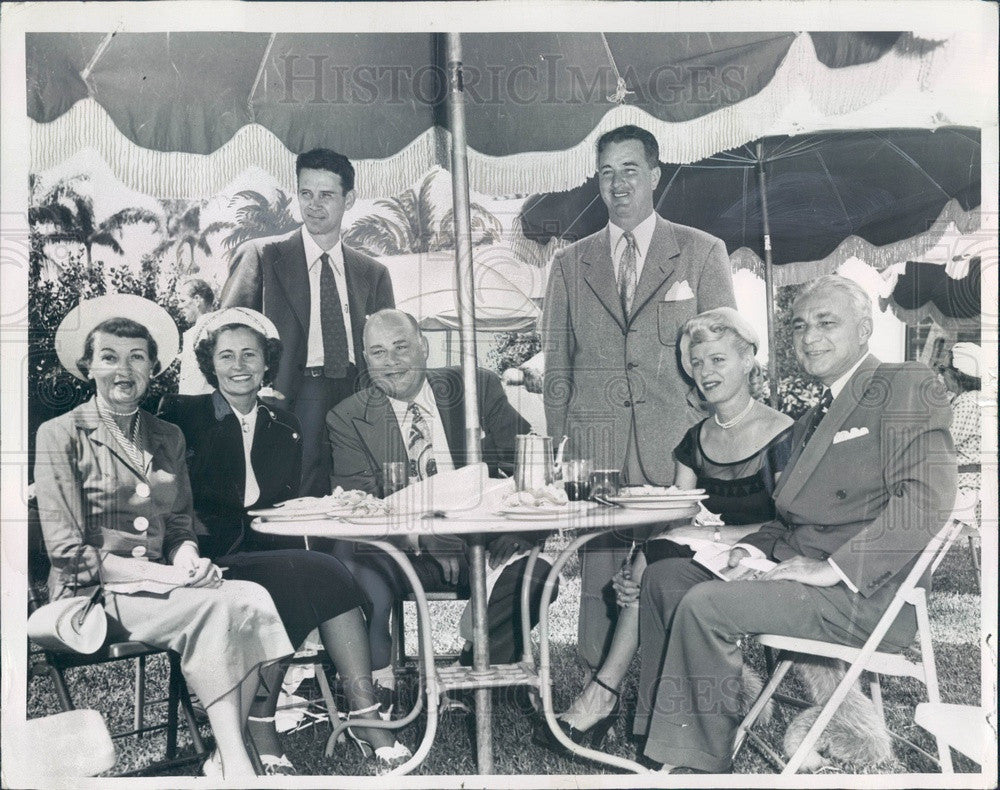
678	291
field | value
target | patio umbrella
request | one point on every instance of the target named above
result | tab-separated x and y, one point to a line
180	114
880	186
926	290
793	201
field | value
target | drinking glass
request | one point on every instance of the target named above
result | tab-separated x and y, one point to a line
395	476
576	479
605	482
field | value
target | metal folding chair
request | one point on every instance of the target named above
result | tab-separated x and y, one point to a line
864	659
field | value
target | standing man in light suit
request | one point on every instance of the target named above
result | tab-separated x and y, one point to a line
318	292
871	479
614	305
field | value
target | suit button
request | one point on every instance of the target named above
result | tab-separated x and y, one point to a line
632	365
139	551
899	491
627	403
141	489
141	523
841	494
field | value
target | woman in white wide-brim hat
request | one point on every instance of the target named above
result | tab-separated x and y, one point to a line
114	501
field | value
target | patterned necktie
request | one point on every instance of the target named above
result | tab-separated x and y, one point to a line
824	407
626	273
332	323
418	446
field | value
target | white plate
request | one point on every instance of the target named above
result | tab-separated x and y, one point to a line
374	520
679	507
302	507
545	512
696	495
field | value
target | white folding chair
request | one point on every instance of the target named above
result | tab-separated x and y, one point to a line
864	659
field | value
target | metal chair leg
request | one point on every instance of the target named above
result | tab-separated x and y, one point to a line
138	714
766	693
173	696
62	691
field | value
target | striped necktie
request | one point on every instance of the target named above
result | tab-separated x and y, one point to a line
418	445
626	273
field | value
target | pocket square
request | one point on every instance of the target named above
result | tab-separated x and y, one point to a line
677	291
853	433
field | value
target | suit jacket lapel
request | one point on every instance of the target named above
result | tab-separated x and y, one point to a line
452	412
90	419
357	295
378	429
294	278
658	266
802	466
600	276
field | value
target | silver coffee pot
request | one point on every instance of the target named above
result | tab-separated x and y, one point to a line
534	466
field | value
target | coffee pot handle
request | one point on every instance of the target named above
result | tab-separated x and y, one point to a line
558	463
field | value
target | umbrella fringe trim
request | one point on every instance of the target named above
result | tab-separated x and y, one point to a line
915	316
879	257
177	174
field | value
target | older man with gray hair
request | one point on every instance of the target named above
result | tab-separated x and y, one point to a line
870	481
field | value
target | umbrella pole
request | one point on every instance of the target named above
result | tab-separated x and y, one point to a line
772	356
467	339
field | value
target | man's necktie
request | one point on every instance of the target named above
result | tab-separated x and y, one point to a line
824	407
418	446
626	273
335	357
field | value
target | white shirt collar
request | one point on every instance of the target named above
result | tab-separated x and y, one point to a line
313	251
839	384
643	233
247	419
424	400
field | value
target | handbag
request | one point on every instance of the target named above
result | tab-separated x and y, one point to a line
78	624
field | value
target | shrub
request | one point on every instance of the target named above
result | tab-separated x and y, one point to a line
511	349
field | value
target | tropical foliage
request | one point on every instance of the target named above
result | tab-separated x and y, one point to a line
409	224
64	215
185	234
511	349
258	217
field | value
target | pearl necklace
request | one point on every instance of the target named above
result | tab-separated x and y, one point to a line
736	420
107	410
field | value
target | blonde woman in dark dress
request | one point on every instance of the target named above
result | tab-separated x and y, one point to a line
736	455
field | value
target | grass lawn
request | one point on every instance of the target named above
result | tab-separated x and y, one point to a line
955	620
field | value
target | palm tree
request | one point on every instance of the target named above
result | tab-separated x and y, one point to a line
62	214
184	233
410	226
259	217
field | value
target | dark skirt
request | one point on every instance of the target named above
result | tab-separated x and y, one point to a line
307	587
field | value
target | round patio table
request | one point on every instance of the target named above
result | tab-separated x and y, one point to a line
475	524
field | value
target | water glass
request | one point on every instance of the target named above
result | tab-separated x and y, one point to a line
605	482
395	476
576	479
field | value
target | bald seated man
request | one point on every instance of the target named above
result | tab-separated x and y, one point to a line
416	415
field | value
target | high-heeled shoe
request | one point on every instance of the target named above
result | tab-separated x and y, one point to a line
593	736
386	757
274	765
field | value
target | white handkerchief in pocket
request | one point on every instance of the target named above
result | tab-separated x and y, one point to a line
678	291
853	433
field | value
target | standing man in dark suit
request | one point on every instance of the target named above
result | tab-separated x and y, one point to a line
318	292
614	305
417	415
871	480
